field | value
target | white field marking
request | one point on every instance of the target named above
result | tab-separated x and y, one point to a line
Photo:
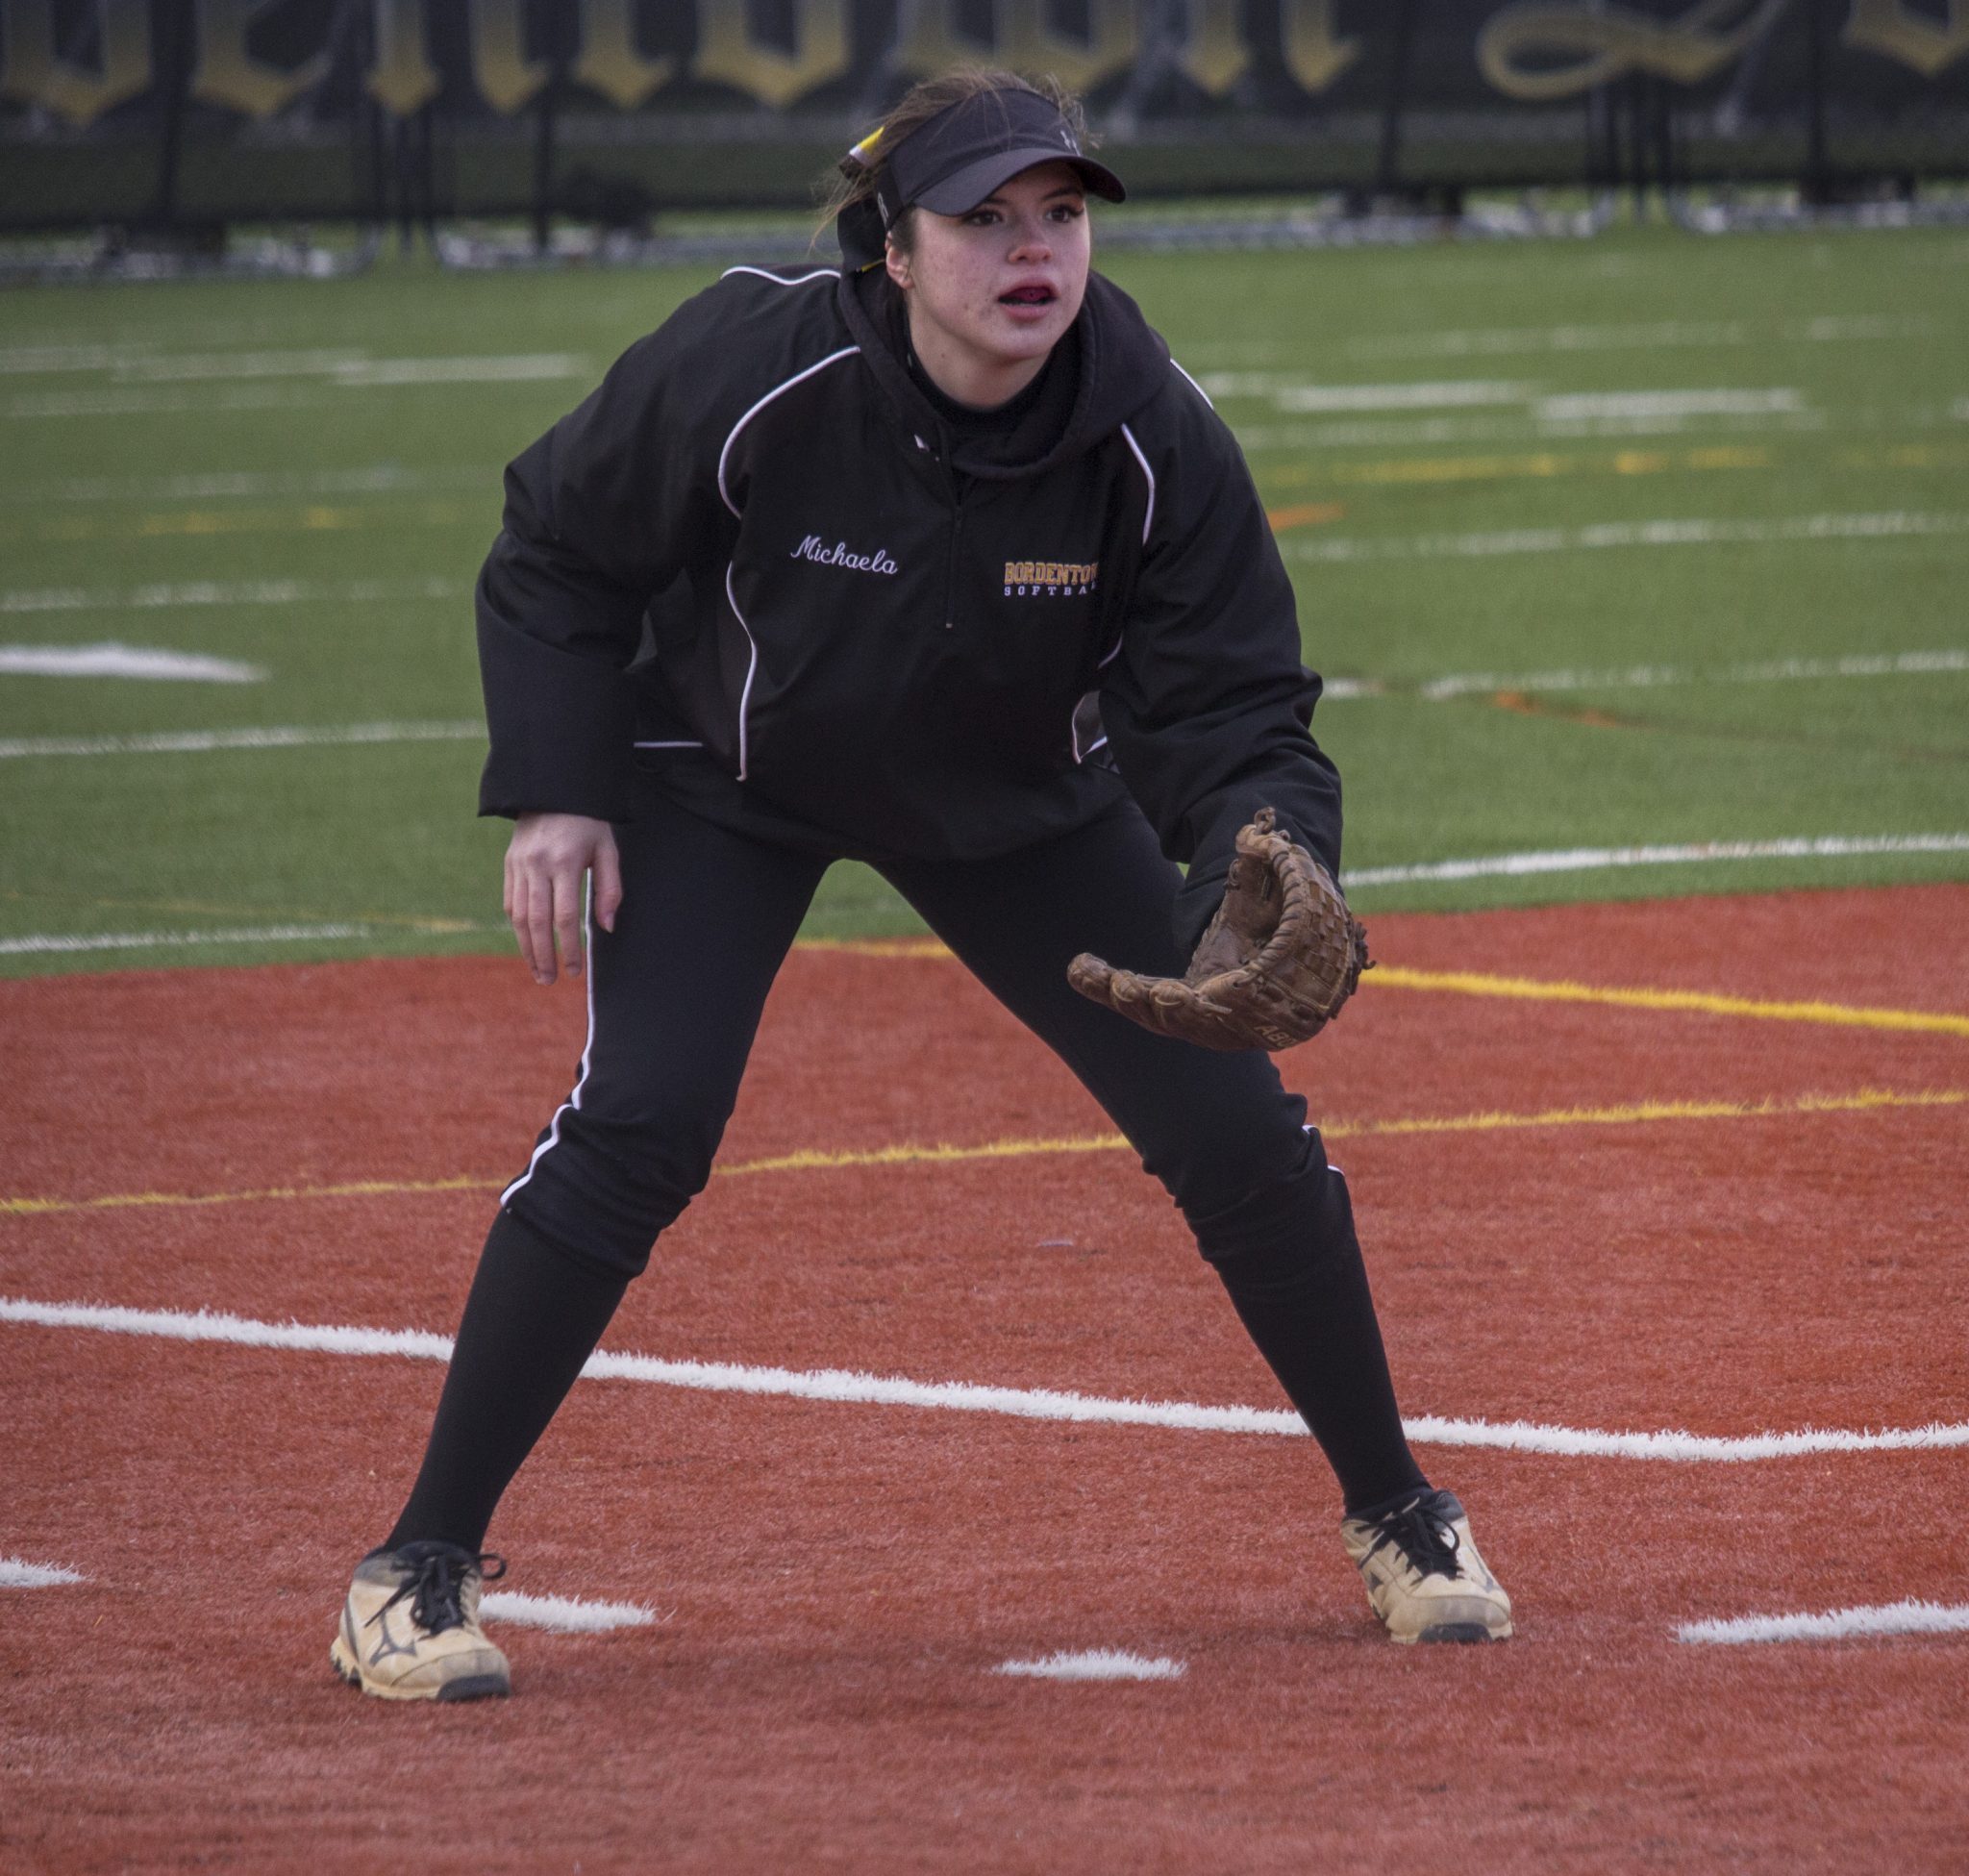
343	365
1590	859
1657	336
966	1397
1294	394
1912	1617
1726	403
1652	677
566	1614
114	661
64	943
379	479
1896	524
1097	1664
192	742
17	1573
139	400
1398	433
226	592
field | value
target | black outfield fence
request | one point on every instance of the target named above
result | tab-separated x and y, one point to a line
164	124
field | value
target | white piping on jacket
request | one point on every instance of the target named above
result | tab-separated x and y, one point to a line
725	454
751	669
1195	387
1127	437
552	1139
801	280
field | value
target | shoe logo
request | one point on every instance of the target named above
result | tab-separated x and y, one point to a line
388	1644
840	554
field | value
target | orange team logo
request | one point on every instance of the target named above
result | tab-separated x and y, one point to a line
1050	579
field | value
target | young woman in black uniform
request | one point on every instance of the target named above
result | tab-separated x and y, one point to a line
939	562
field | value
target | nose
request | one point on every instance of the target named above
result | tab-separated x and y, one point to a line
1032	239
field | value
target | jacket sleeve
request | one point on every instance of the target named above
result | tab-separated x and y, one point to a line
601	513
1207	705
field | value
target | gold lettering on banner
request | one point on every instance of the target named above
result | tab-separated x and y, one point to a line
227	73
611	62
506	77
1023	39
1539	51
1214	54
36	74
1896	29
1315	54
403	79
730	53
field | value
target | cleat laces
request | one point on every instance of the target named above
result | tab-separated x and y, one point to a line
1426	1537
437	1586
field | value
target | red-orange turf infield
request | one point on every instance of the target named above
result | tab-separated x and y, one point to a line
838	1579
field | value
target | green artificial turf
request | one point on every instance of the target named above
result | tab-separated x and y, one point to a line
164	440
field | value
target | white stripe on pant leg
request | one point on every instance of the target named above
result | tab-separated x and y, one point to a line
587	921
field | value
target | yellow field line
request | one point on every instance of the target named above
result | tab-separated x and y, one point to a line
1471	983
1865	1100
1845	1015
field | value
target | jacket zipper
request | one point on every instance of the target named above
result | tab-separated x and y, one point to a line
950	577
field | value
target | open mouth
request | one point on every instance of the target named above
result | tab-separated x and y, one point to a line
1028	297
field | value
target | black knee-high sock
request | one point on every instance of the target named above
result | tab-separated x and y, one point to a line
1292	1265
532	1317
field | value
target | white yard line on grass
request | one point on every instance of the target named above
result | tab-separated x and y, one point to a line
1653	677
1912	1617
63	943
1700	532
114	661
381	479
17	1573
1664	334
1590	859
226	592
1097	1664
840	1386
198	742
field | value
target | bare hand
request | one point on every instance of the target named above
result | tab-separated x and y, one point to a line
545	862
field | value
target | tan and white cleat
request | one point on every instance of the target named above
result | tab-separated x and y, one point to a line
1424	1574
410	1627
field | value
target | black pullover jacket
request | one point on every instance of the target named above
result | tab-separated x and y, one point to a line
757	571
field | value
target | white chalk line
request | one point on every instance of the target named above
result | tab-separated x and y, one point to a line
17	1573
1593	860
842	1386
1097	1664
1910	1617
1297	395
1650	677
227	592
1893	525
294	736
564	1614
220	485
61	944
117	660
1396	432
1663	334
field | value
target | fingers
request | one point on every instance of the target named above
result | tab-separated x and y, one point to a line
548	859
607	866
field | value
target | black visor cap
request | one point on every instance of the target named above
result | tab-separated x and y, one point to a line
951	163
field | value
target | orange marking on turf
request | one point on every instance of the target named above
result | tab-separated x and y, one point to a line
1304	515
1865	1100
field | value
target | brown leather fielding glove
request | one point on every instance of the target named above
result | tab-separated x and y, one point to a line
1280	957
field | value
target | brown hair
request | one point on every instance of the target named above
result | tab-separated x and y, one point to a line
854	177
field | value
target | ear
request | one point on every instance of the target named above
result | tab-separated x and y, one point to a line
897	263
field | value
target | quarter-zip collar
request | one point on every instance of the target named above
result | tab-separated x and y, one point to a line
1118	361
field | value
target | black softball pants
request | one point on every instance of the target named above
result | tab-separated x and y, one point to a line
675	995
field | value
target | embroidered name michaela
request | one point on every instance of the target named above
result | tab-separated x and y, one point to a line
813	548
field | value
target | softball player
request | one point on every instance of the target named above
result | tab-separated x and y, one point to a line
939	562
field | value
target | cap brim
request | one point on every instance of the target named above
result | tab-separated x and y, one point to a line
961	192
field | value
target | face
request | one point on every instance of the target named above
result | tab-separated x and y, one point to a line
991	292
